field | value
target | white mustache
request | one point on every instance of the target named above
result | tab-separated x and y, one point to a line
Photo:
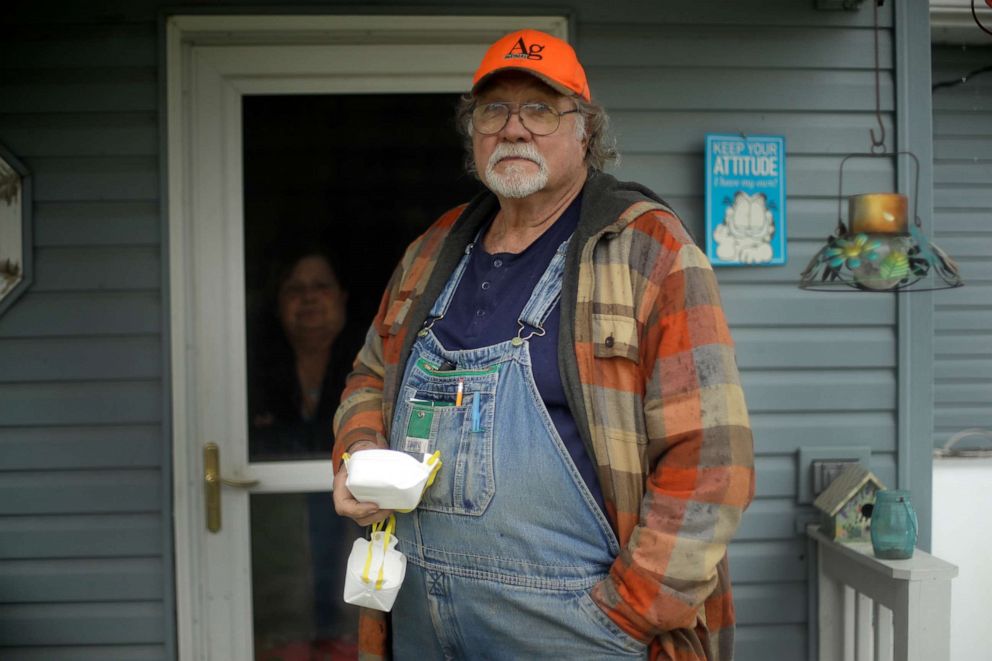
515	150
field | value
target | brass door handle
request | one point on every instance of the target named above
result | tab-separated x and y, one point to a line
211	484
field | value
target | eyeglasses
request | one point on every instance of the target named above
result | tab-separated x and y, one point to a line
538	118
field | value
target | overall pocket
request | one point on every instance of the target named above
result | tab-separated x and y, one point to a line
430	418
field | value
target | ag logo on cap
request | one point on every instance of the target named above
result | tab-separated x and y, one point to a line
521	52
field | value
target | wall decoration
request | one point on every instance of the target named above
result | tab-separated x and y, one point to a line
15	228
745	200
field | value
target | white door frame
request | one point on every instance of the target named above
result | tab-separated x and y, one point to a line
211	61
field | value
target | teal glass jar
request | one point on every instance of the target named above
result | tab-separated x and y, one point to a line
893	525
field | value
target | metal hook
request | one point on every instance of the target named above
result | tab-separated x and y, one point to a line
877	143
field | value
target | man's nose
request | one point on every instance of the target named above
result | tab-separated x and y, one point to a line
515	131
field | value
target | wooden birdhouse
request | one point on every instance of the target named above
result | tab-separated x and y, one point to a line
845	505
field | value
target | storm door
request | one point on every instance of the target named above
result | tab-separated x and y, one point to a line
326	178
304	153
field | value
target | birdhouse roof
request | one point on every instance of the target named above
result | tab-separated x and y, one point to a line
847	485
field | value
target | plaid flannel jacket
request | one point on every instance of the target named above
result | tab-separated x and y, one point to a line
650	372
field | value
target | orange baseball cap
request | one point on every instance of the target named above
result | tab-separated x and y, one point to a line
538	53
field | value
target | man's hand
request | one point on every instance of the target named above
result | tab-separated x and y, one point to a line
345	504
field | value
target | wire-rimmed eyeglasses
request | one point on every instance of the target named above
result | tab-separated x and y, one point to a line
538	118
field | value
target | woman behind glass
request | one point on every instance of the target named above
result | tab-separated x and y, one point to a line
302	350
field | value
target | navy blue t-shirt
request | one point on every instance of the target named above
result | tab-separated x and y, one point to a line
484	311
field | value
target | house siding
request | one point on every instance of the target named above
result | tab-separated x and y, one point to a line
85	524
962	137
85	566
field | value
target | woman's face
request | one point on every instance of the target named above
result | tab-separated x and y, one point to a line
311	301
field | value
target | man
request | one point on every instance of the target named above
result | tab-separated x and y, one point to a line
560	341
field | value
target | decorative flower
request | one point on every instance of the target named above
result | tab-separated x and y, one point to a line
851	251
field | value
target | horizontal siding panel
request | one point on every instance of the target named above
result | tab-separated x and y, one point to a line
778	561
683	132
59	315
955	417
787	432
80	536
757	89
775	476
85	134
949	345
963	242
770	603
80	359
948	371
76	446
822	390
66	46
949	124
787	305
749	13
974	147
81	624
95	178
80	492
961	319
977	392
976	295
963	198
89	268
774	47
132	89
780	641
975	103
96	223
81	579
768	519
790	347
81	403
86	653
951	173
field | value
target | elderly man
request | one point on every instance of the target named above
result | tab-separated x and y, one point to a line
560	341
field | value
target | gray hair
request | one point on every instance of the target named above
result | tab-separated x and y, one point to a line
593	125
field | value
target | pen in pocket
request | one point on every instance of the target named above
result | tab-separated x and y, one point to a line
476	422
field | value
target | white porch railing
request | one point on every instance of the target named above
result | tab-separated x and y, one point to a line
881	610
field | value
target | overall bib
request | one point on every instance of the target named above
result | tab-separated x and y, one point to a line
504	547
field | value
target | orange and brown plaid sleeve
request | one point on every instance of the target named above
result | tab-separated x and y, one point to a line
699	450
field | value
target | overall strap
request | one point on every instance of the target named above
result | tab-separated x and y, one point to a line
440	307
544	297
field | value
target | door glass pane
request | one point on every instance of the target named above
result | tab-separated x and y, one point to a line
299	549
335	187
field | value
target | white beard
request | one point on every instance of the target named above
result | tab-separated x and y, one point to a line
515	181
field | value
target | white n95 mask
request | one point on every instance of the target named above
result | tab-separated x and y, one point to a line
375	569
390	479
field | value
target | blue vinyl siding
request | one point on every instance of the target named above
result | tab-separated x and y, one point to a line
84	447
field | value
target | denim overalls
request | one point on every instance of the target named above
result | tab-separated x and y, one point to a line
505	546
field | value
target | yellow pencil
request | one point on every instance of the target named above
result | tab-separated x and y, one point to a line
459	392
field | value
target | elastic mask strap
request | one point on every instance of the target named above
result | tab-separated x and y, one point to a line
390	530
376	527
435	462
